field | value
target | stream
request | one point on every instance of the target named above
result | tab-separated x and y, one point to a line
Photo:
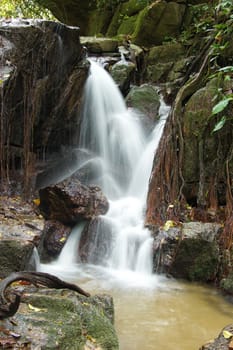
151	311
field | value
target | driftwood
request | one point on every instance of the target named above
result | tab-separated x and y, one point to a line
10	305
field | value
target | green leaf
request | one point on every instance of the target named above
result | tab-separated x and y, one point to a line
221	105
220	124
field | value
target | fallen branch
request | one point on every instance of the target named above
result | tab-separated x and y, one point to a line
8	307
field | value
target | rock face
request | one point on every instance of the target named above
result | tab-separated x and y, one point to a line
52	319
46	99
70	202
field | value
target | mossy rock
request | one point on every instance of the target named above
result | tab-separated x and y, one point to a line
132	7
196	260
146	99
127	25
122	74
99	45
165	53
14	255
62	319
158	21
157	73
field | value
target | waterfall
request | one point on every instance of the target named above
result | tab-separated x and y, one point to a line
118	156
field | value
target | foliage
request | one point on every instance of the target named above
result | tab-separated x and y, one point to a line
24	9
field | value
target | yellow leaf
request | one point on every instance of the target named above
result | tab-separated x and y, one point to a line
62	239
35	309
168	224
36	201
227	334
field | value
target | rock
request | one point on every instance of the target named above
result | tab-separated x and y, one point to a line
70	202
165	63
54	236
52	319
122	74
146	100
99	45
50	93
220	343
15	255
189	252
202	149
95	242
158	21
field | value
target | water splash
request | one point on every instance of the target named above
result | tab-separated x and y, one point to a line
120	159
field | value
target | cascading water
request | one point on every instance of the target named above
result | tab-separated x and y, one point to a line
118	156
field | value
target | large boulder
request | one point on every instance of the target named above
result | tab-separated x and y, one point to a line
62	319
70	202
39	106
204	154
190	252
146	100
156	22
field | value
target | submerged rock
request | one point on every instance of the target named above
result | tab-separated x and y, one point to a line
70	202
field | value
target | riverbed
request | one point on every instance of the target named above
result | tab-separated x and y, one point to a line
154	312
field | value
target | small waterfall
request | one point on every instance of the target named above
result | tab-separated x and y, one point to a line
120	157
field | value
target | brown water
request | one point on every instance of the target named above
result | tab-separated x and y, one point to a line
153	312
183	318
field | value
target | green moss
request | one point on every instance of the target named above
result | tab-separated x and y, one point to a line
132	7
196	260
128	25
65	320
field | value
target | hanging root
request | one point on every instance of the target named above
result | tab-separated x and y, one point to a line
8	307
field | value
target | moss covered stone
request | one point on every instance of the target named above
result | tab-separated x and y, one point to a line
146	99
158	21
62	319
196	260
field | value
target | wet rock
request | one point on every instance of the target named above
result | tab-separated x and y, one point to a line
122	74
52	319
70	202
99	45
54	236
95	242
221	342
47	98
146	100
189	252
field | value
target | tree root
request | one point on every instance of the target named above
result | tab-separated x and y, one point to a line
9	306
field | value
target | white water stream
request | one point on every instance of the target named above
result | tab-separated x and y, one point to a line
119	156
